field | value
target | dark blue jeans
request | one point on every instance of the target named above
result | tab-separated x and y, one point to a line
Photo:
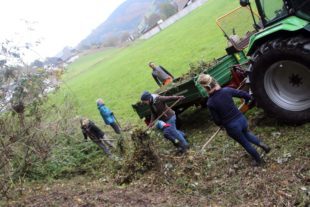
174	133
238	130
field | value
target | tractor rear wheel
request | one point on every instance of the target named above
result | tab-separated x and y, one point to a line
280	78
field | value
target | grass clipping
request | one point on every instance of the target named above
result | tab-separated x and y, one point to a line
142	160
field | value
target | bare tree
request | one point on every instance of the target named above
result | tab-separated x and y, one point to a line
111	41
152	20
124	36
167	10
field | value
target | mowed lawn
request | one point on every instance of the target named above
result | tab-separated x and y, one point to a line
119	76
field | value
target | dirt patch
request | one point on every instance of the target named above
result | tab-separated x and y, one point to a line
94	193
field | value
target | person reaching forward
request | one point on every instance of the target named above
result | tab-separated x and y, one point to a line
226	114
160	110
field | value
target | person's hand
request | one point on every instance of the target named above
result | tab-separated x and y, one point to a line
248	101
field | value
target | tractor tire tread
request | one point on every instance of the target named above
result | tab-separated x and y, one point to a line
275	48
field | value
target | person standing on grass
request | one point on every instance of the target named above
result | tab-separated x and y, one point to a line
160	74
108	116
159	107
226	114
89	129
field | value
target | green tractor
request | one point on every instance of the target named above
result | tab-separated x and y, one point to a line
280	58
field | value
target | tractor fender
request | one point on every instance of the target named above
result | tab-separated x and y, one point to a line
285	28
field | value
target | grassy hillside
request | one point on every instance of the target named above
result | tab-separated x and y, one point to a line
119	76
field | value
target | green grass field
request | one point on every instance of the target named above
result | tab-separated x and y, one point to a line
120	75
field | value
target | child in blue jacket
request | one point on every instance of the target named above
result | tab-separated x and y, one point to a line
108	116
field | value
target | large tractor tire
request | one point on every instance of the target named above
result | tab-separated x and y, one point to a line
280	78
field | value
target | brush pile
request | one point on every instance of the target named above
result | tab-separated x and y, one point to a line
142	160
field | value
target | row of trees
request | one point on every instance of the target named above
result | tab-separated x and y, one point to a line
162	12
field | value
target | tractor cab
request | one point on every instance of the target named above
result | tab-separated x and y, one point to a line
237	26
274	11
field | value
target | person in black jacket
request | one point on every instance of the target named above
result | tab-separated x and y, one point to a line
226	114
160	74
89	129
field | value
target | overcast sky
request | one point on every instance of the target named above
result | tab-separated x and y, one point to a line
59	22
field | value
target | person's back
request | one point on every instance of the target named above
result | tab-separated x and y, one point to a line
106	114
89	129
222	102
226	114
160	74
92	131
159	106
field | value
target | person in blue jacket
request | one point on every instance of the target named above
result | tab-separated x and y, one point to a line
226	114
108	116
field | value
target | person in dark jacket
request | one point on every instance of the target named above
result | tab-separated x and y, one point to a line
160	74
226	114
89	129
158	107
108	116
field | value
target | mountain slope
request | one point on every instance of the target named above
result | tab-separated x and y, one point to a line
125	18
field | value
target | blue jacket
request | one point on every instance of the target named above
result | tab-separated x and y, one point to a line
222	107
106	114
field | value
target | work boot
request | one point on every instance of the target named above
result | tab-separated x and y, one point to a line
265	147
256	163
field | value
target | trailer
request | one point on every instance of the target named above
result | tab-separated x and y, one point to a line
227	70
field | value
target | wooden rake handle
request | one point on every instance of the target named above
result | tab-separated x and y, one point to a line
151	125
